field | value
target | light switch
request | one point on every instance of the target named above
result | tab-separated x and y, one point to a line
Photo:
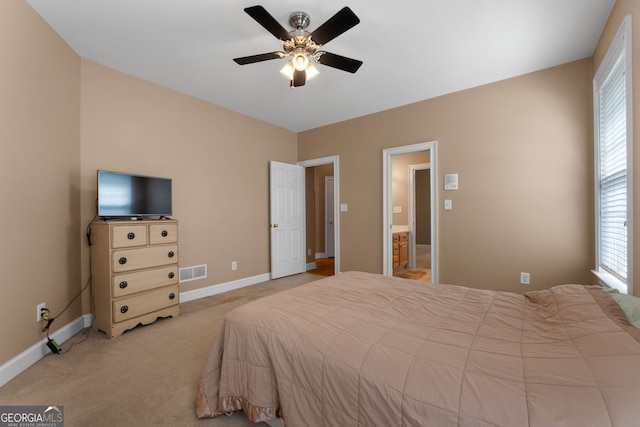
448	205
344	207
397	209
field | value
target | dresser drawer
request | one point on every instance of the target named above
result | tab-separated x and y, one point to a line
139	304
129	283
163	233
152	256
125	236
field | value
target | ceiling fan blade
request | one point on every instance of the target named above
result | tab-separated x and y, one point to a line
265	19
259	58
334	26
299	78
340	62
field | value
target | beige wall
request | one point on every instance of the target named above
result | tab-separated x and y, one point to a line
400	183
620	10
39	176
218	161
523	151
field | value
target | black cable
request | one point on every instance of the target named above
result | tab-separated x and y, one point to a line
73	299
50	318
88	281
85	332
88	232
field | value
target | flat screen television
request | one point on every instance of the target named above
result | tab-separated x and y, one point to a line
128	195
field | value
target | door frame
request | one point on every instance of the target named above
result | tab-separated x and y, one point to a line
387	208
335	161
411	214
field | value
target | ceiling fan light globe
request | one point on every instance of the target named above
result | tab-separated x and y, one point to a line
287	70
311	71
300	61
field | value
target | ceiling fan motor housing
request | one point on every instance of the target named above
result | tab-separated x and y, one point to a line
299	20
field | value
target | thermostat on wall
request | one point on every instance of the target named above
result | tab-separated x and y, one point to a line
451	181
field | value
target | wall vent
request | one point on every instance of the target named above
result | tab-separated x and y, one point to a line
193	273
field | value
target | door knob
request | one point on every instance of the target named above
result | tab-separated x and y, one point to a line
275	225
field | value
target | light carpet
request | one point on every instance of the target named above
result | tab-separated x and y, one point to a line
146	377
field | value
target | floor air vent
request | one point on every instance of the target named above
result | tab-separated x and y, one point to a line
193	273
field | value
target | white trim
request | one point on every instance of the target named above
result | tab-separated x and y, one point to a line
33	354
607	279
223	287
621	42
387	153
335	160
311	266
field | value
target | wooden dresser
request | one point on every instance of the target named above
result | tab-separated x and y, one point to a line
400	249
134	267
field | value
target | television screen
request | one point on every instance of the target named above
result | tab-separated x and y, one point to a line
122	194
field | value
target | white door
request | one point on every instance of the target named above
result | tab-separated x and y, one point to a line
287	219
329	243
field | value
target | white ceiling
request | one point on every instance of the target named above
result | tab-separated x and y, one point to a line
412	49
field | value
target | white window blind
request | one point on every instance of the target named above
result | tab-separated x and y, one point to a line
612	89
613	173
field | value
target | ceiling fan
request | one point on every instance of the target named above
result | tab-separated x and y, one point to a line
302	46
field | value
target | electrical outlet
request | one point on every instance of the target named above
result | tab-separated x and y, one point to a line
39	307
525	278
234	265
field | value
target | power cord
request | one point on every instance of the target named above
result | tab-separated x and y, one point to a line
46	315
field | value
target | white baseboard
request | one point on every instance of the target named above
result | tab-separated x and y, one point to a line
223	287
21	362
311	266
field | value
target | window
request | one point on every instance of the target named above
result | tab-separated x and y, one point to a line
613	167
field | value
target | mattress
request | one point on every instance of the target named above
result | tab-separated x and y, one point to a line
361	349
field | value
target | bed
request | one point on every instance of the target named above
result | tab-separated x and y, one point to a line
360	349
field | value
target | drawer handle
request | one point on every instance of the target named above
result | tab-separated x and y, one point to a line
170	254
124	309
171	275
131	236
122	260
172	295
123	284
164	233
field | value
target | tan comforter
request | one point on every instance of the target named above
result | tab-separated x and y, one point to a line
360	349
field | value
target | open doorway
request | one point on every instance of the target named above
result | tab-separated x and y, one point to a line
322	215
410	211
